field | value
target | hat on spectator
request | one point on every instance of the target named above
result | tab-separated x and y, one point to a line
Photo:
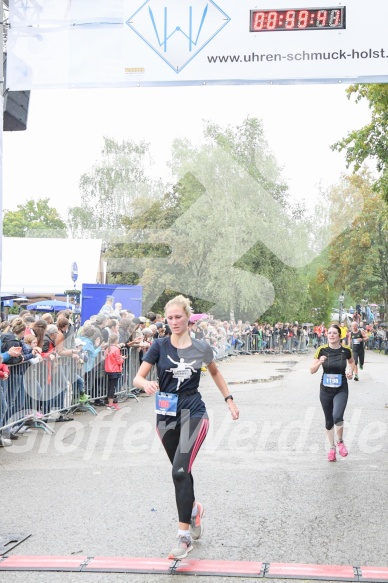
136	321
143	320
79	342
147	331
159	325
100	319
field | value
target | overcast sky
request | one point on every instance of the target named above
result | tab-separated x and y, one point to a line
65	132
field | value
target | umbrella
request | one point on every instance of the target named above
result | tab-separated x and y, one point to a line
50	306
195	317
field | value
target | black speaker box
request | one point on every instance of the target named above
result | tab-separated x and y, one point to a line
15	110
15	106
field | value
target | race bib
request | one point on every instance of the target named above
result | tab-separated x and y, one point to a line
166	404
332	380
356	341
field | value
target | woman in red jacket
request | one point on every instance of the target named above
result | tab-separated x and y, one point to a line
113	368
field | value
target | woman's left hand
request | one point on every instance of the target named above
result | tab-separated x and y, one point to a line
233	409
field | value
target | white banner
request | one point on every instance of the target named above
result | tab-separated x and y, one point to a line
120	43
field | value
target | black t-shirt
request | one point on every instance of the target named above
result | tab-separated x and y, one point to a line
336	358
173	365
357	340
178	369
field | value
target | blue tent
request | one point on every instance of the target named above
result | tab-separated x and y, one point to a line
50	306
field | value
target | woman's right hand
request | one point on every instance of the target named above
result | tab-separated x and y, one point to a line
151	387
322	359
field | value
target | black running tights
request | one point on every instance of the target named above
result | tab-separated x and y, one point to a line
359	356
182	443
333	403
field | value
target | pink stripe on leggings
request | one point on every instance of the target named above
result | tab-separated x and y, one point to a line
198	442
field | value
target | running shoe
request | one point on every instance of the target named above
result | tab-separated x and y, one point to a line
182	549
356	377
342	449
361	366
196	526
331	457
113	407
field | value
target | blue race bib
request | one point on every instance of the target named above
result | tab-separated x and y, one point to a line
166	404
332	380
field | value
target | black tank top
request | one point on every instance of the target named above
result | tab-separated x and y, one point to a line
357	342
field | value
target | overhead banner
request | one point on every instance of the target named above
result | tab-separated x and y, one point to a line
121	43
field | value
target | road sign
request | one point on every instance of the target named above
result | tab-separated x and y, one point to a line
74	271
165	42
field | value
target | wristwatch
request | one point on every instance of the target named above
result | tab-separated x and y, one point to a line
228	397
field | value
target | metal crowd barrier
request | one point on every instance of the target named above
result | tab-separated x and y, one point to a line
43	392
260	344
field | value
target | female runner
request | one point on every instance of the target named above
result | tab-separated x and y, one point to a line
182	420
333	357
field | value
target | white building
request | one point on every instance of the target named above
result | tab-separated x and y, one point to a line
43	267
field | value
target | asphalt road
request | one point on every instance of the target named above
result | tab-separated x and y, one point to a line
101	485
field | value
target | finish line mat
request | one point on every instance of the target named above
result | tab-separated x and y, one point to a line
194	567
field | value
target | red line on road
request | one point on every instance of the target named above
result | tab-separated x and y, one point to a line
36	563
194	567
374	574
302	571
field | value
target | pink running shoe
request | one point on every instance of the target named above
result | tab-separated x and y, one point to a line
196	526
331	457
342	449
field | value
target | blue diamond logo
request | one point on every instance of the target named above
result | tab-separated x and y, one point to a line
178	31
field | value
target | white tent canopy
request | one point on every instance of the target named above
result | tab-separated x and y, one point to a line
43	266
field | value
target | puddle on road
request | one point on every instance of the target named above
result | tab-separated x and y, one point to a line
251	381
289	363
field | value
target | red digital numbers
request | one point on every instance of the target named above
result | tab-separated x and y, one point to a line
272	20
335	18
298	19
258	21
321	18
290	19
304	17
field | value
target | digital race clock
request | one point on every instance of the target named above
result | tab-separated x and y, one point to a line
298	19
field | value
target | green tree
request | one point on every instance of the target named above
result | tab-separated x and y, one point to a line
359	256
222	221
124	251
34	219
371	141
224	234
113	191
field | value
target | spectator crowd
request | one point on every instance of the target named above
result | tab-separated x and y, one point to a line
47	367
